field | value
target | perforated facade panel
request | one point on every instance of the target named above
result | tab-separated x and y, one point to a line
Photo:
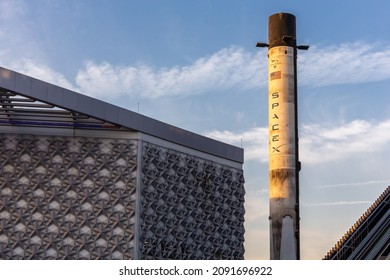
65	197
192	208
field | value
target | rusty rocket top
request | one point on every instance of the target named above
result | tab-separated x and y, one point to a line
282	30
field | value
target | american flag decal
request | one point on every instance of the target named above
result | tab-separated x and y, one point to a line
276	75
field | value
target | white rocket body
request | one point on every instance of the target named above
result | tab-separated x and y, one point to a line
284	164
282	153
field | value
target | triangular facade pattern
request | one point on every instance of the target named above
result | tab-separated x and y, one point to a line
191	208
67	197
76	198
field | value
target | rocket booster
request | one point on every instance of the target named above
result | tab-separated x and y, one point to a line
283	138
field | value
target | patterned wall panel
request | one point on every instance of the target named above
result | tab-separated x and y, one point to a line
191	208
67	197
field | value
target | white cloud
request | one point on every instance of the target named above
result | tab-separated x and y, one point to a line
254	141
236	69
318	144
351	63
227	69
230	69
353	184
20	49
43	72
321	144
336	203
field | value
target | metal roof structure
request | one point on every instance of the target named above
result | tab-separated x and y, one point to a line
369	237
26	101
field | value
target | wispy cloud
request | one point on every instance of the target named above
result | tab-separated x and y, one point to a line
336	203
254	141
350	63
20	49
353	184
321	144
235	68
43	72
16	37
318	144
230	69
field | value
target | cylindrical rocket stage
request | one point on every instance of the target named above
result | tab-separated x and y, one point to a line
283	138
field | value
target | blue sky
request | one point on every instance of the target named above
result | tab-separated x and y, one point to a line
194	64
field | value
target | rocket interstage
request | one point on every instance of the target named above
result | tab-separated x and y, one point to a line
283	137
